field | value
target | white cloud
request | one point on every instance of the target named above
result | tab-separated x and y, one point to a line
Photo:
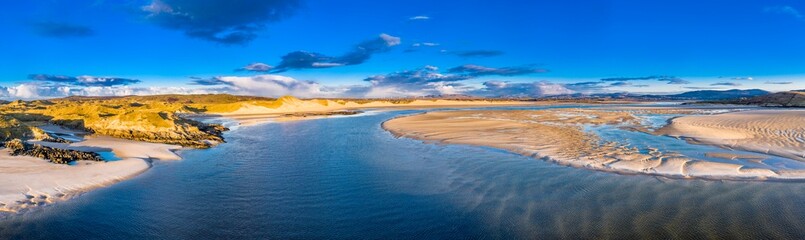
39	91
420	17
390	40
276	85
533	89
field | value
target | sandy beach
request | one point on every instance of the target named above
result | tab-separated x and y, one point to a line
291	109
776	132
29	181
558	136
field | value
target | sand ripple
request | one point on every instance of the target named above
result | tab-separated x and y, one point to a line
557	135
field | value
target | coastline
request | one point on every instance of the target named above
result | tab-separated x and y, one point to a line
295	109
35	182
774	132
555	141
32	182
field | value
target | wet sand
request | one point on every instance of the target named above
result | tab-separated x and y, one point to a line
558	136
775	132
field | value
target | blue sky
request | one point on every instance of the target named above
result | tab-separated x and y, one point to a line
55	48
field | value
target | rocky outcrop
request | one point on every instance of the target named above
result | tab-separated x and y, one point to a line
185	132
193	139
55	155
42	135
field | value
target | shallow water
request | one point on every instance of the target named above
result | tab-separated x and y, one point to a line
347	178
644	141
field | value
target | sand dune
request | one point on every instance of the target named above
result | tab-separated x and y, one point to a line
249	114
776	132
555	135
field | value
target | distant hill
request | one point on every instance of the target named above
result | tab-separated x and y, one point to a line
781	99
718	95
701	95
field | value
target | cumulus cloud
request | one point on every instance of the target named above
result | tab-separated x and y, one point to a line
39	91
222	21
61	30
477	70
429	81
423	81
477	53
359	54
256	67
771	82
423	75
534	89
726	84
86	81
270	85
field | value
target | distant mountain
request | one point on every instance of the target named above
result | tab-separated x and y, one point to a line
701	95
718	95
781	99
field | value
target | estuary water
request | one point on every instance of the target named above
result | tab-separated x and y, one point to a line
346	178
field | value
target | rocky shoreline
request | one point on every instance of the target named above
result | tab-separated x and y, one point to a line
55	155
196	135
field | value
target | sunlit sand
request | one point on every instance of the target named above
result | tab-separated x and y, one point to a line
559	136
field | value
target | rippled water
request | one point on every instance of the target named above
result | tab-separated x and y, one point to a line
346	178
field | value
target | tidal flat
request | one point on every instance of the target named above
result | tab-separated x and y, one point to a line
608	139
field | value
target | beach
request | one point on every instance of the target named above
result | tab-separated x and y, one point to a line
30	182
290	109
776	132
559	136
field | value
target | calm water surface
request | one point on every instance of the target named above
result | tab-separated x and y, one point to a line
346	178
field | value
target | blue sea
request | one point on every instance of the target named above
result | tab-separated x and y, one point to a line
347	178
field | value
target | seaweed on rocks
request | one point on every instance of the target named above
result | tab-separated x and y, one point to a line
55	155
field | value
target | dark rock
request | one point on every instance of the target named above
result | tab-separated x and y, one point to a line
55	155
